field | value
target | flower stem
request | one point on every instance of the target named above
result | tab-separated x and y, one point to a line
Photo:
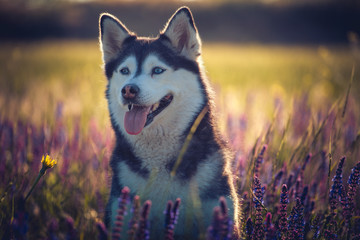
41	173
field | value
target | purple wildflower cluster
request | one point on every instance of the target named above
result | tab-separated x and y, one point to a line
258	192
282	222
171	214
221	227
70	194
121	212
286	188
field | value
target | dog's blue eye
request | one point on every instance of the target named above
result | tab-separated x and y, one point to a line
125	71
158	70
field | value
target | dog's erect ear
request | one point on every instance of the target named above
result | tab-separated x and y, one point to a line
183	35
112	36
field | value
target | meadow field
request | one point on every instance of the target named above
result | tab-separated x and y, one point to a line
289	112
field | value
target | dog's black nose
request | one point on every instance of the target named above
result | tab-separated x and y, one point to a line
130	91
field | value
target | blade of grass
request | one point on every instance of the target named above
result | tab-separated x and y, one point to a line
328	178
348	91
188	139
276	163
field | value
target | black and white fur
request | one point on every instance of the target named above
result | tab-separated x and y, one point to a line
168	65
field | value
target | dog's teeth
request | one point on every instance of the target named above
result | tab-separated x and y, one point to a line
130	107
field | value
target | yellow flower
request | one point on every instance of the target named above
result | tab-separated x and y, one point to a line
48	162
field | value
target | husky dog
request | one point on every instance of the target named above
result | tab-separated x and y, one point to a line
161	110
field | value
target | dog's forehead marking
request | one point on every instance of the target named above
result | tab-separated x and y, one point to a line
141	48
140	51
153	60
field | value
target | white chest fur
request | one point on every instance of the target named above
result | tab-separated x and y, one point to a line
155	147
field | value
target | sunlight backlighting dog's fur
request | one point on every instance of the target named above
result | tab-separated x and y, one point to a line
156	89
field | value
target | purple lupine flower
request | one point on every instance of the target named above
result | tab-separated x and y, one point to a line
270	233
226	229
103	235
75	141
169	231
322	170
314	188
330	231
176	209
350	129
133	223
336	187
144	225
300	175
259	160
37	142
215	227
7	136
19	151
19	224
4	138
289	182
306	161
53	228
356	228
258	192
296	221
345	205
258	199
353	183
308	208
95	135
277	179
59	135
59	111
291	225
299	219
71	233
121	212
7	144
298	186
221	227
66	161
284	200
249	229
304	195
171	214
245	203
315	226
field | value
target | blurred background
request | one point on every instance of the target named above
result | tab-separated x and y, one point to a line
253	50
243	21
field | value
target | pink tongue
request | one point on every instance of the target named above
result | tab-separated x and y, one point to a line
135	119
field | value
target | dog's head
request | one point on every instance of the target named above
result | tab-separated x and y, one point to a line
153	83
